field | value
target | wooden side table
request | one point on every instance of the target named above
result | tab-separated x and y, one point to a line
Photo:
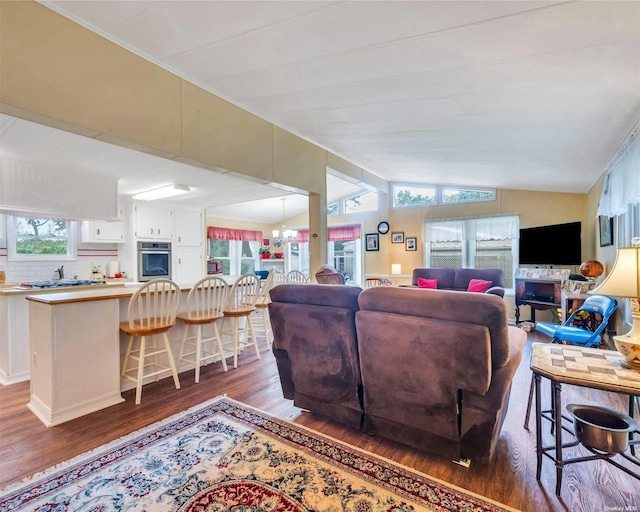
580	366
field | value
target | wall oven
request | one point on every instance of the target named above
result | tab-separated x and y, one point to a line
154	260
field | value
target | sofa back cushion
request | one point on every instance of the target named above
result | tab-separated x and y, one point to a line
464	275
315	345
444	276
479	309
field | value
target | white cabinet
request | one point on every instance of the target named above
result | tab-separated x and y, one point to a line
187	248
152	223
103	232
188	266
188	230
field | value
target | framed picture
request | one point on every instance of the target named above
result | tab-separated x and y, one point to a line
266	242
411	243
372	241
606	230
397	237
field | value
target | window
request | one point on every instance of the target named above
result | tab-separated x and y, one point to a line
36	239
466	195
237	256
345	256
413	195
488	242
405	196
333	209
366	201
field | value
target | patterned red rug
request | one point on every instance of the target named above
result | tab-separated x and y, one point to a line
226	456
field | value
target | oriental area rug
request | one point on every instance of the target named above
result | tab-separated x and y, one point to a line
226	456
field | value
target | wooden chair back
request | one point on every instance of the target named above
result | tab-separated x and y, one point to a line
207	298
154	305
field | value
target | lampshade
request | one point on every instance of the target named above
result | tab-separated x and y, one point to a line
591	268
396	269
161	192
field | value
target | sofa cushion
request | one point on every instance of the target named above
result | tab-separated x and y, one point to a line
427	283
479	285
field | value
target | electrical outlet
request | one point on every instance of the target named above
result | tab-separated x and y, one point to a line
35	358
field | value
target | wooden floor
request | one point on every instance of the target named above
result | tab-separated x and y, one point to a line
27	446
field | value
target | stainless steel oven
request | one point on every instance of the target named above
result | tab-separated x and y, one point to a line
154	260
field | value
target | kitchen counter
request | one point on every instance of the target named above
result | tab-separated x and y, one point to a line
76	349
17	290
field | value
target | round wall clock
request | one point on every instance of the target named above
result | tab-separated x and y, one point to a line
383	228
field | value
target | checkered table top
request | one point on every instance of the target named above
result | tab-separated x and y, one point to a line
588	367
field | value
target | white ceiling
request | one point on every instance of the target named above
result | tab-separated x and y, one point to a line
514	94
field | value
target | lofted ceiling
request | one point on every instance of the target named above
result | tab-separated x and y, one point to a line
532	95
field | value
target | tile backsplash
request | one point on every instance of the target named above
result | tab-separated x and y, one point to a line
20	271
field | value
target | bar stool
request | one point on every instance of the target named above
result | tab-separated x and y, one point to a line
262	307
240	305
152	312
205	304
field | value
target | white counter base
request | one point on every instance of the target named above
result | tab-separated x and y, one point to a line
75	358
51	418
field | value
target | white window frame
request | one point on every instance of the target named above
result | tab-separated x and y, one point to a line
439	194
235	256
469	247
72	243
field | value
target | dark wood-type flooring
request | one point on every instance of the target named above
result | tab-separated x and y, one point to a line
27	446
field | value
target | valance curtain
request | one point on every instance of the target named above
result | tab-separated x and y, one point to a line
621	187
334	234
504	227
247	235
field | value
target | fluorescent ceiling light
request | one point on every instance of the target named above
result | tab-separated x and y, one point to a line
162	192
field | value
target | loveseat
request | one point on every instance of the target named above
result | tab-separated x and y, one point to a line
458	279
430	370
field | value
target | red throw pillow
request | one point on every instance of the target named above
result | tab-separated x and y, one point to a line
479	285
427	283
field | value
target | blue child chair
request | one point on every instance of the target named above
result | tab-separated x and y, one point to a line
572	334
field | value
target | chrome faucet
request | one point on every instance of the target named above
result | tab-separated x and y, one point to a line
60	271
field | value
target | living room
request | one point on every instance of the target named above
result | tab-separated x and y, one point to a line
159	113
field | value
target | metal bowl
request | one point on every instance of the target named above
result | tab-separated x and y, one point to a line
601	428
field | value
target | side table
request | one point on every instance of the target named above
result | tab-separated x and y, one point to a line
579	366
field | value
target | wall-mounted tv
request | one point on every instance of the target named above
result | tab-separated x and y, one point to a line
559	244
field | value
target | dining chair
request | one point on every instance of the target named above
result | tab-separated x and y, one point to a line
236	322
295	276
588	334
370	282
279	277
205	305
262	308
151	313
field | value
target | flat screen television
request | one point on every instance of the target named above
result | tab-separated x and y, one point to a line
559	244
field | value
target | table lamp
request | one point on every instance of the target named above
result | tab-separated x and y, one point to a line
624	281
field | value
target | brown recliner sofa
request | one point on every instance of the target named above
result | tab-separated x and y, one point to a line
316	348
430	370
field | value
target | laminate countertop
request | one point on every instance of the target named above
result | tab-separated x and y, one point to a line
16	290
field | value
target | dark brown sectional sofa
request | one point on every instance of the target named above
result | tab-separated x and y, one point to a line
428	368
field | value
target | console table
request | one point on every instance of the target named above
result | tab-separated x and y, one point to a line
580	366
539	293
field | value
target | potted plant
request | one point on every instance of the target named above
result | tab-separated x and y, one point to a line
264	253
